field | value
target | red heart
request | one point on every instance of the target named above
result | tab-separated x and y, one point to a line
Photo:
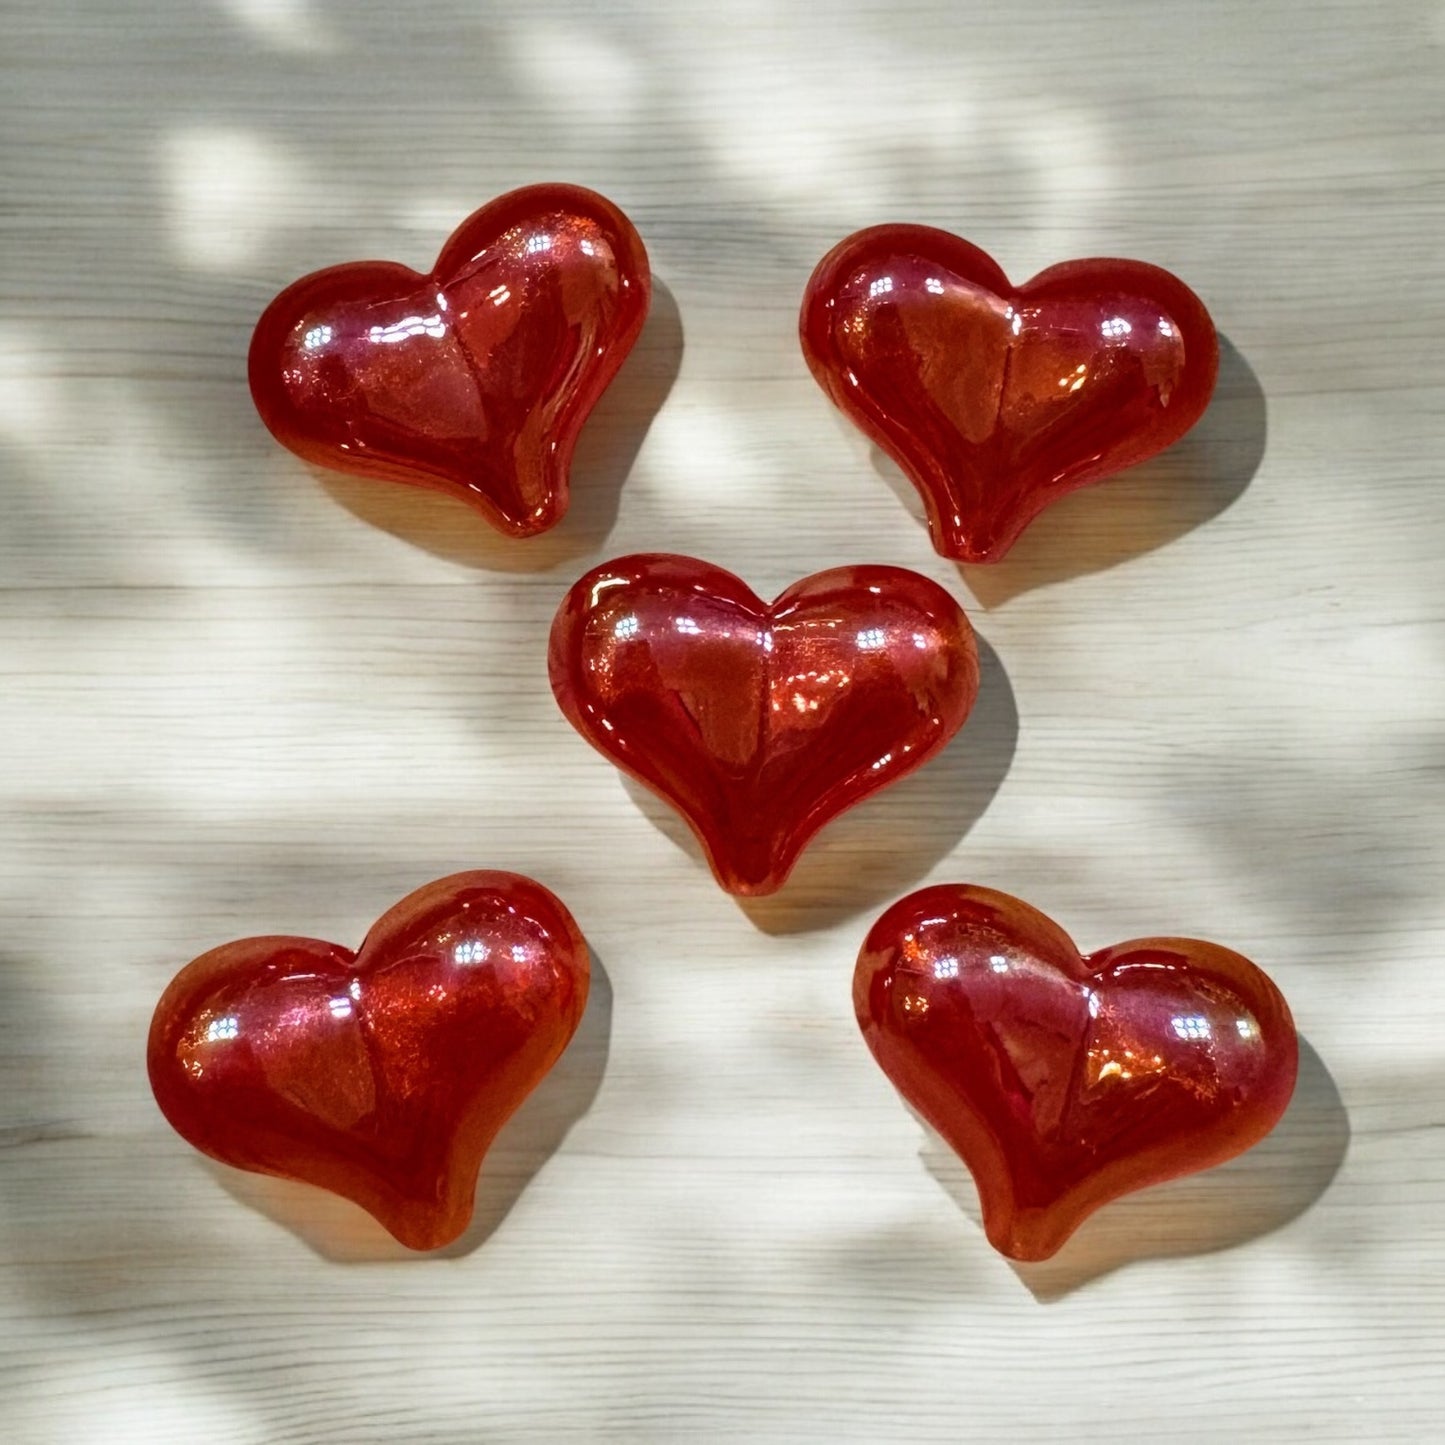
1064	1081
475	379
382	1075
757	722
996	400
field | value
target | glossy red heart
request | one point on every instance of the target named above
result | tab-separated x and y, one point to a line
760	722
475	379
381	1075
1065	1081
997	399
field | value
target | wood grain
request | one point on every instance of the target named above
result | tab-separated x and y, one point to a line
241	697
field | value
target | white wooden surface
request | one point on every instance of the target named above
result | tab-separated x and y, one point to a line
241	698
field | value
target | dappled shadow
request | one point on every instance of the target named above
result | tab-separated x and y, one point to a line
226	695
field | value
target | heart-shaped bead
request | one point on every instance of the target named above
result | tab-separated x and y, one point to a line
1064	1081
759	722
995	399
475	379
381	1075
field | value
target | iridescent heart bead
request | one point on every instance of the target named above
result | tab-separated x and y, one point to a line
382	1075
761	721
1065	1080
997	399
474	379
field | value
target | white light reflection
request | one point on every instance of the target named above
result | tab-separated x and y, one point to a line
407	327
945	968
626	627
473	952
318	336
599	588
933	284
998	963
538	243
1116	326
1192	1026
871	639
687	625
881	287
340	1007
226	1028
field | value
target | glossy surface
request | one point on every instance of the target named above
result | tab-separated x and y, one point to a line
475	379
760	722
382	1075
994	399
1064	1081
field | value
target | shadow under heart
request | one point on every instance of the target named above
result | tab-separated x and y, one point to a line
1253	1195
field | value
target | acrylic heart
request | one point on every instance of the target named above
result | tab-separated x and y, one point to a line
474	380
1064	1081
382	1075
995	399
760	722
